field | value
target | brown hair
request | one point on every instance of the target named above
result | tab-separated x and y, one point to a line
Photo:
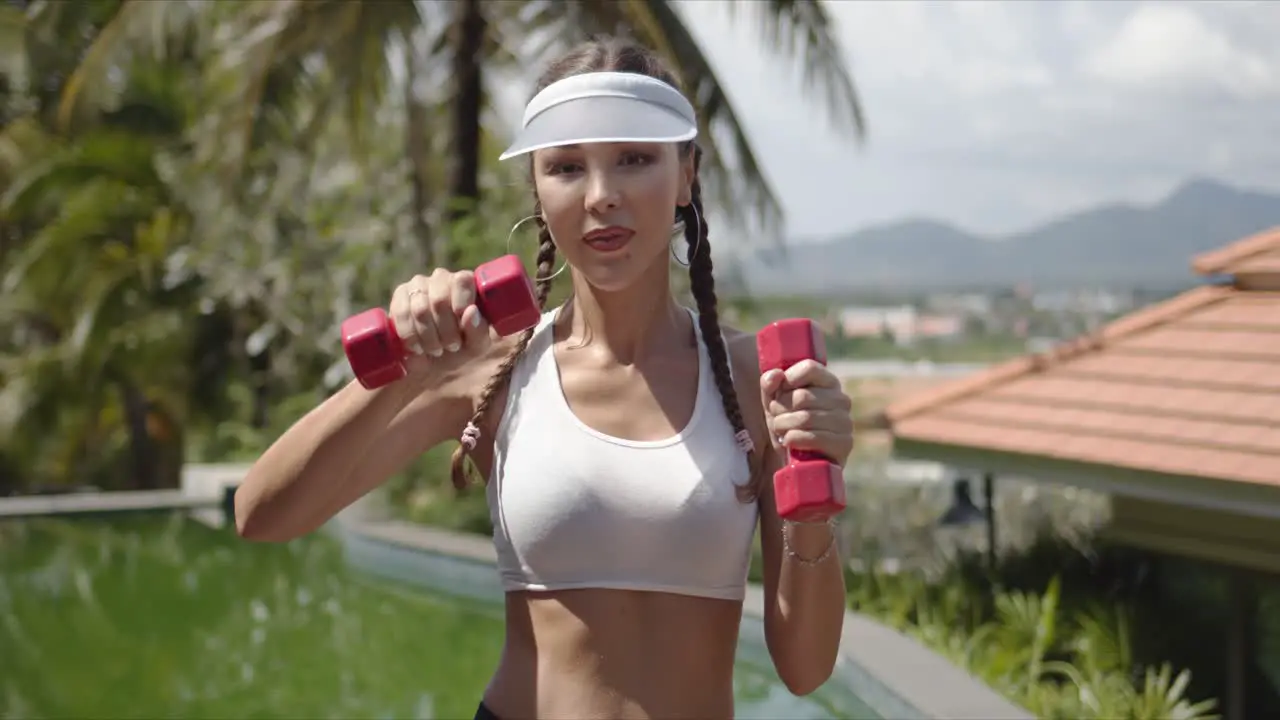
617	55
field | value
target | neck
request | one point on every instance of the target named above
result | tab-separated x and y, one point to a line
628	323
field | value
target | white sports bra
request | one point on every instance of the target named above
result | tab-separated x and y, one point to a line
575	508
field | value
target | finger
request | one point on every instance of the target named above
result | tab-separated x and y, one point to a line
424	324
811	373
829	445
463	300
463	288
402	317
770	383
475	329
824	420
443	317
808	398
791	400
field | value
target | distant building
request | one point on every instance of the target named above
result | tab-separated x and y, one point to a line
903	324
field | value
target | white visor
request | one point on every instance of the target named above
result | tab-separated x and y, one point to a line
604	107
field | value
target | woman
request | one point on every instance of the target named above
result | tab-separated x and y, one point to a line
628	443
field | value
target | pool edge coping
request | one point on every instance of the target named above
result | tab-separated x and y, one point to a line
894	674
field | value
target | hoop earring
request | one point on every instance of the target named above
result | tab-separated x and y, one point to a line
693	251
515	227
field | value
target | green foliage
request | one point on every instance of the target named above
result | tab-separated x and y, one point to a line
1062	652
978	349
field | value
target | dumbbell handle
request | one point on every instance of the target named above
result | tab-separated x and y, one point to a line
785	343
504	296
810	487
794	456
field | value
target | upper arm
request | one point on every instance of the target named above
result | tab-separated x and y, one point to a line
746	370
746	377
438	413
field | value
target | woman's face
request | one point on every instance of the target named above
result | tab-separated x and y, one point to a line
611	206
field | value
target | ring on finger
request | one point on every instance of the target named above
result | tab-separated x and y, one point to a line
421	324
414	341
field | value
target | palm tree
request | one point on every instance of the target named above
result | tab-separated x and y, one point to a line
96	323
105	193
289	39
89	293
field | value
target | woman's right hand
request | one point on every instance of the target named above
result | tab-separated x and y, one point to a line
437	318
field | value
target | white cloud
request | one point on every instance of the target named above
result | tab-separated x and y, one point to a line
997	115
1171	48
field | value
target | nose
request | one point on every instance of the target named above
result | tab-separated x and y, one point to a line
602	191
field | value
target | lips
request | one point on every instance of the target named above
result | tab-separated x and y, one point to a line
608	239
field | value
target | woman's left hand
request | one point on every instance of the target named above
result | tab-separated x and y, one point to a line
807	409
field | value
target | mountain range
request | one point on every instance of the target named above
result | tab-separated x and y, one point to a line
1115	245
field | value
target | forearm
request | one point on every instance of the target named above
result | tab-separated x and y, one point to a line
810	607
290	490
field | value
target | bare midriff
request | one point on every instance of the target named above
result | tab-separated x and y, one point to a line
619	654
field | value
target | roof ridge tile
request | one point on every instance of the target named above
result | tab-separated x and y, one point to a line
1219	261
1120	328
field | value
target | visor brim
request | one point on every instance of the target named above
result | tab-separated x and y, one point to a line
601	120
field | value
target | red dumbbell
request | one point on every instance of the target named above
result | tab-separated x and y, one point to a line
811	487
504	296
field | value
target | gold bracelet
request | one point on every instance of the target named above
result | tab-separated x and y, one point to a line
790	553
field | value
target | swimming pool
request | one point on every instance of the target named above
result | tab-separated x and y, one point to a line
158	615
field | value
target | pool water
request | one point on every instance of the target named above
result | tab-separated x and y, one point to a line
161	616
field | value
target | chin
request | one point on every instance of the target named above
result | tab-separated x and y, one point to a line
619	272
612	279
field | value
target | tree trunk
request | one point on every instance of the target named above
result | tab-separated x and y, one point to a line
468	47
415	142
136	407
260	381
171	448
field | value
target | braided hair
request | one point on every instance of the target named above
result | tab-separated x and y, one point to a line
702	284
546	261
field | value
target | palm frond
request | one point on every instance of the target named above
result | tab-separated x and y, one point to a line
802	31
736	181
136	27
281	44
13	59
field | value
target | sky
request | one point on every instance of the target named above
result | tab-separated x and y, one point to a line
996	116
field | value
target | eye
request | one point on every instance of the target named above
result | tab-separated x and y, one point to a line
555	167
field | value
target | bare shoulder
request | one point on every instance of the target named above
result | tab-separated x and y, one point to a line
744	360
743	354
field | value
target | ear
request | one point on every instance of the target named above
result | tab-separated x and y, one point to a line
688	172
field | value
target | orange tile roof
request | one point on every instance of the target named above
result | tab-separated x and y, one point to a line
1189	386
1258	253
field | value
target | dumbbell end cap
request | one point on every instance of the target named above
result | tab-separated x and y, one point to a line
783	343
374	351
505	296
809	491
